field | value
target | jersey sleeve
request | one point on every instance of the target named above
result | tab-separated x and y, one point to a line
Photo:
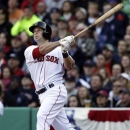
28	54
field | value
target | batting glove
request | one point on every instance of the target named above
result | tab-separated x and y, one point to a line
69	38
64	45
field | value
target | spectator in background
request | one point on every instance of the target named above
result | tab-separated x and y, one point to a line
54	3
25	22
54	35
13	63
62	28
124	98
2	87
79	81
32	3
76	54
18	49
127	40
122	48
116	71
2	59
67	10
70	85
72	23
100	41
128	30
81	14
102	99
120	15
25	39
108	52
6	76
125	80
42	12
100	62
32	98
13	96
107	84
125	62
114	94
5	25
5	40
14	12
55	14
85	41
88	70
73	101
1	103
96	85
93	12
83	95
113	25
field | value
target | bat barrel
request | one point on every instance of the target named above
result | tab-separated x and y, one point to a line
102	18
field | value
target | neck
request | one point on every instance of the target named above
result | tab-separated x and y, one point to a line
67	12
41	13
116	95
82	101
127	69
121	54
11	10
69	90
40	42
108	60
102	105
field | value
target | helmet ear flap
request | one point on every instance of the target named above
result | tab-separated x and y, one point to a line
45	35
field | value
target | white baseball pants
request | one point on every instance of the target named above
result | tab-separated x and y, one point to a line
51	111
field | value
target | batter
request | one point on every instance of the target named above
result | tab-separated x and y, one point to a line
46	62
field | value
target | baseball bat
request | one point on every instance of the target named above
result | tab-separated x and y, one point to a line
102	18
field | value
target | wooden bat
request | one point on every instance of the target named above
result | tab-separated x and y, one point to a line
102	18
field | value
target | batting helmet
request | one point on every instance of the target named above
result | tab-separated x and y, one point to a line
46	29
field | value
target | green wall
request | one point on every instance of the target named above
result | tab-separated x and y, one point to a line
18	119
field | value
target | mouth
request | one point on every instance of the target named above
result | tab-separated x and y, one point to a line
35	37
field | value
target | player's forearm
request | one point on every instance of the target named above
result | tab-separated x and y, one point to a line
68	62
47	47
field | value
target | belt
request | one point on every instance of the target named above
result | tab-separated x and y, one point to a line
50	85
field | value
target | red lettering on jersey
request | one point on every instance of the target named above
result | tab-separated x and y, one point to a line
52	59
40	59
56	60
47	58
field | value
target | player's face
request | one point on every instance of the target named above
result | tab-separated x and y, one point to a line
38	34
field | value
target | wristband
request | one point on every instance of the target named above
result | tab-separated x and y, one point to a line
65	55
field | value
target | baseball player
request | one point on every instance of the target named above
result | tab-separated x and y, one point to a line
46	62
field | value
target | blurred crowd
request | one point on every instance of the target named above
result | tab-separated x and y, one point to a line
101	74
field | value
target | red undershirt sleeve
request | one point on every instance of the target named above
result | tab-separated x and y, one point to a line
36	53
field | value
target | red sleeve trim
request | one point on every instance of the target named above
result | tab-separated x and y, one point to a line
36	53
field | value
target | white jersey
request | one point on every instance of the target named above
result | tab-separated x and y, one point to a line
1	108
46	69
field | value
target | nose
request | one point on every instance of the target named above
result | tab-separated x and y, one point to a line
35	32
